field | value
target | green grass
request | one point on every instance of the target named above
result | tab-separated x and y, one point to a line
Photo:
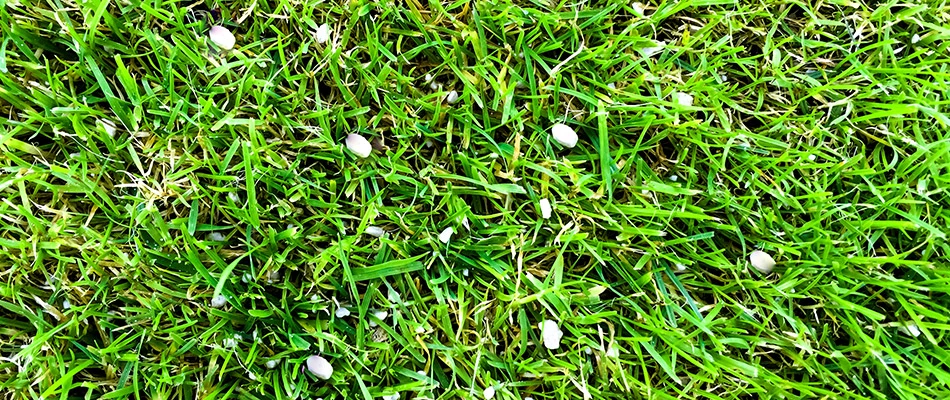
818	132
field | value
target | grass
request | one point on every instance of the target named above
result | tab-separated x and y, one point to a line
817	132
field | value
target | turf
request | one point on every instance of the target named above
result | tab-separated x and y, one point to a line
814	131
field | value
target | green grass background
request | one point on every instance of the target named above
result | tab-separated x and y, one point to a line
817	132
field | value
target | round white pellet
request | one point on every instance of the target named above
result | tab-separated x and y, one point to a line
108	126
323	33
564	135
358	145
551	334
612	351
446	235
375	231
452	97
762	261
910	330
638	9
221	37
380	315
683	99
342	312
545	206
219	301
319	367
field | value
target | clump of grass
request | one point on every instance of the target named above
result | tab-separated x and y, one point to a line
177	220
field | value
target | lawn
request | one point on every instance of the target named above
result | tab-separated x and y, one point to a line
474	199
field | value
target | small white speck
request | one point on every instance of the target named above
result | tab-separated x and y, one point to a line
319	367
394	396
66	304
219	301
375	231
489	393
229	343
452	97
108	126
323	33
762	261
683	99
674	178
551	334
910	330
680	267
434	86
251	376
465	223
247	277
812	157
221	37
393	296
428	78
638	9
565	135
314	299
358	144
446	235
271	364
234	197
612	86
216	237
423	373
612	351
653	50
420	330
465	272
342	312
380	315
588	351
545	206
915	39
